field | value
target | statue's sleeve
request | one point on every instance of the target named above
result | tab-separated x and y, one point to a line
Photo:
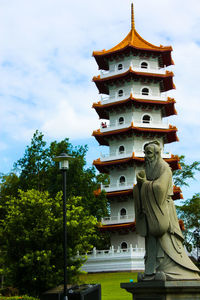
140	218
154	196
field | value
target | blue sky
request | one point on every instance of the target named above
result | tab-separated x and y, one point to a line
46	67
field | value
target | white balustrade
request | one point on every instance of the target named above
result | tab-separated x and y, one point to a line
117	219
114	126
160	125
112	251
116	98
112	259
140	153
104	74
119	155
119	186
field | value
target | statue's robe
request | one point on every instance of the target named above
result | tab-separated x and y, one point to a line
157	221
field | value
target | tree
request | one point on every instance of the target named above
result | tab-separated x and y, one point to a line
190	213
189	210
31	237
186	172
34	175
37	170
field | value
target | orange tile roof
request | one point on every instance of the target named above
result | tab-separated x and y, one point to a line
130	225
103	165
169	134
134	40
165	79
176	190
168	106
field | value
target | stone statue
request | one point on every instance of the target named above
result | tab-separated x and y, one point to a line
156	220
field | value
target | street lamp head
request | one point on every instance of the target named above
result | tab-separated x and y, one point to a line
63	160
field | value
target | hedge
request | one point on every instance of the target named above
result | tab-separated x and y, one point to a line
18	298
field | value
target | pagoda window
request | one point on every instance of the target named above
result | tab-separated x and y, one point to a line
146	119
145	91
144	65
124	245
120	93
122	180
120	67
122	213
121	120
121	149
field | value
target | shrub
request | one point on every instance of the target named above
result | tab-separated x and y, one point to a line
18	298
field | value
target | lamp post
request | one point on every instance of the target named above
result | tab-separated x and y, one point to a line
63	160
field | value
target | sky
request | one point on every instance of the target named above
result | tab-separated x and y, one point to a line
46	69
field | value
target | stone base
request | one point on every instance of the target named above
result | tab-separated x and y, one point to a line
164	290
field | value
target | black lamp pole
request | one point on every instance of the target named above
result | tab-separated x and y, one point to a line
63	160
64	172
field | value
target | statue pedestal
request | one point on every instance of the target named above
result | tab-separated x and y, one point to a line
164	290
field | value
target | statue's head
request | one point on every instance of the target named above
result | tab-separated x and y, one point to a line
152	152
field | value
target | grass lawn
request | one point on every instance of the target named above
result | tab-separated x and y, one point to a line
110	284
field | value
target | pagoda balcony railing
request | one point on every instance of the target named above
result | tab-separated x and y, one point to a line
119	155
116	125
118	186
124	154
104	74
152	124
117	219
116	98
140	153
114	252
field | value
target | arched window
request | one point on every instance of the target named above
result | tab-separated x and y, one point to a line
120	93
121	149
145	91
123	212
124	245
122	180
146	119
144	65
120	67
121	120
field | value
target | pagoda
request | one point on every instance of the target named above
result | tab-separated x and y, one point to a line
133	82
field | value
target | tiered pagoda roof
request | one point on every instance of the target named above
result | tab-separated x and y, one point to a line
169	134
126	227
126	193
167	107
105	166
134	43
165	80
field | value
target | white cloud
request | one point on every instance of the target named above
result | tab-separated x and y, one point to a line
46	65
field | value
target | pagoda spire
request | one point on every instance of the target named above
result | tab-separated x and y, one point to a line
132	17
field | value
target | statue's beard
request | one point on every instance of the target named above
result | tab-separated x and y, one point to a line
150	168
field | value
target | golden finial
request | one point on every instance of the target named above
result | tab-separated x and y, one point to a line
132	17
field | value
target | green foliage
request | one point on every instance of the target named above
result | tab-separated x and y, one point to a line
31	215
32	237
189	212
24	297
37	170
186	172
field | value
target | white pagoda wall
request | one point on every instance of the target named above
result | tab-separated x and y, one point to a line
130	238
135	115
136	87
117	206
135	61
129	173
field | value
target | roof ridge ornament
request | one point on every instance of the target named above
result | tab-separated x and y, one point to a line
132	17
